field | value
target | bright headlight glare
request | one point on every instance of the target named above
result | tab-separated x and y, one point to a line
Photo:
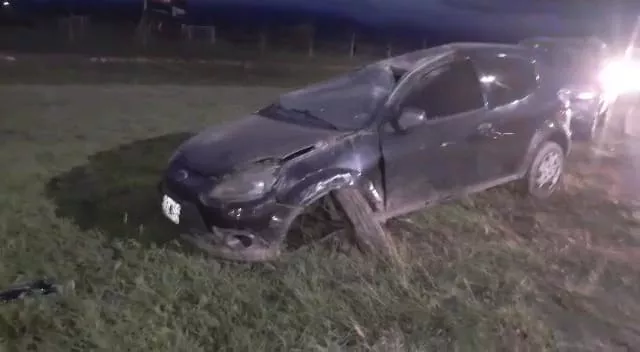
246	185
620	76
586	95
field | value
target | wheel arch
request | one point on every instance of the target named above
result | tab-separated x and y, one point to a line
555	135
319	184
562	140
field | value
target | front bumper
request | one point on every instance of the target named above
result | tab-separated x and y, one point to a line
250	232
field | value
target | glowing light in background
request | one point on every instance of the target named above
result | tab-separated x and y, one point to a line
586	95
621	76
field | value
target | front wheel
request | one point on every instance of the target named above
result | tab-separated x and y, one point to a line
545	171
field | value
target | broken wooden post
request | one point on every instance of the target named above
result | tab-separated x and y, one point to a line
368	231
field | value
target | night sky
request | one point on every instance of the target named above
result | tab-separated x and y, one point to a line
490	17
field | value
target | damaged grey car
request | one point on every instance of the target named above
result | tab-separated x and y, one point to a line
381	141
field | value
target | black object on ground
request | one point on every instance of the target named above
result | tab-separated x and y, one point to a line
38	287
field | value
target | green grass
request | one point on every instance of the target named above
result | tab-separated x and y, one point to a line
494	272
76	70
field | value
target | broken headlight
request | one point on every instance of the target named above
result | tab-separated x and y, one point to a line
246	185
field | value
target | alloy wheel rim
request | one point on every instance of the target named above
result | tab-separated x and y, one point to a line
549	170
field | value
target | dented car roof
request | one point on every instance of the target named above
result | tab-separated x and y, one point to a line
348	100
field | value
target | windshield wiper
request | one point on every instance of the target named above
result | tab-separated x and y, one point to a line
308	114
314	117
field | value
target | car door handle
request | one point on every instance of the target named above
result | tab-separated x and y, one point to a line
485	129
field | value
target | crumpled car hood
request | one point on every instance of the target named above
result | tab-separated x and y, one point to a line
223	148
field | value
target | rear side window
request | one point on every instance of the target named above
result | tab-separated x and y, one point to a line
562	58
508	79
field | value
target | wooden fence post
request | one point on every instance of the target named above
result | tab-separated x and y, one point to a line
312	40
352	45
143	25
71	35
263	40
144	29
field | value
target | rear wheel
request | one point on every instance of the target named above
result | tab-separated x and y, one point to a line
545	171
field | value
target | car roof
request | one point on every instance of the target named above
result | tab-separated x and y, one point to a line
584	42
413	59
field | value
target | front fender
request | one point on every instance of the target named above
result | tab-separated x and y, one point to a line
317	185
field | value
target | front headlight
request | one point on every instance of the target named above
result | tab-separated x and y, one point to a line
247	185
586	95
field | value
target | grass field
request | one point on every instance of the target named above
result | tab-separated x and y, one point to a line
65	70
494	272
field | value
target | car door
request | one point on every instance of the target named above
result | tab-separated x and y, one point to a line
435	157
508	83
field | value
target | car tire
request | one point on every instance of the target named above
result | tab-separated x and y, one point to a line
370	235
546	170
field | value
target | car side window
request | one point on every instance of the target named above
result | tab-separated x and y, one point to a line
560	57
447	90
508	79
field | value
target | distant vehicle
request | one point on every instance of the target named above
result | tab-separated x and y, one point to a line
578	63
387	139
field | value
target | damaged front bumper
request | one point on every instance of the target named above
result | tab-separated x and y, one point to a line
249	233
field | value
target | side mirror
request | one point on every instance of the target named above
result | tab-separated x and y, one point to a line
411	117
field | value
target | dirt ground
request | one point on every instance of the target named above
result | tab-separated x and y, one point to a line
494	272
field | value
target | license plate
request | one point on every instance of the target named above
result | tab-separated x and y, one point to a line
171	209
